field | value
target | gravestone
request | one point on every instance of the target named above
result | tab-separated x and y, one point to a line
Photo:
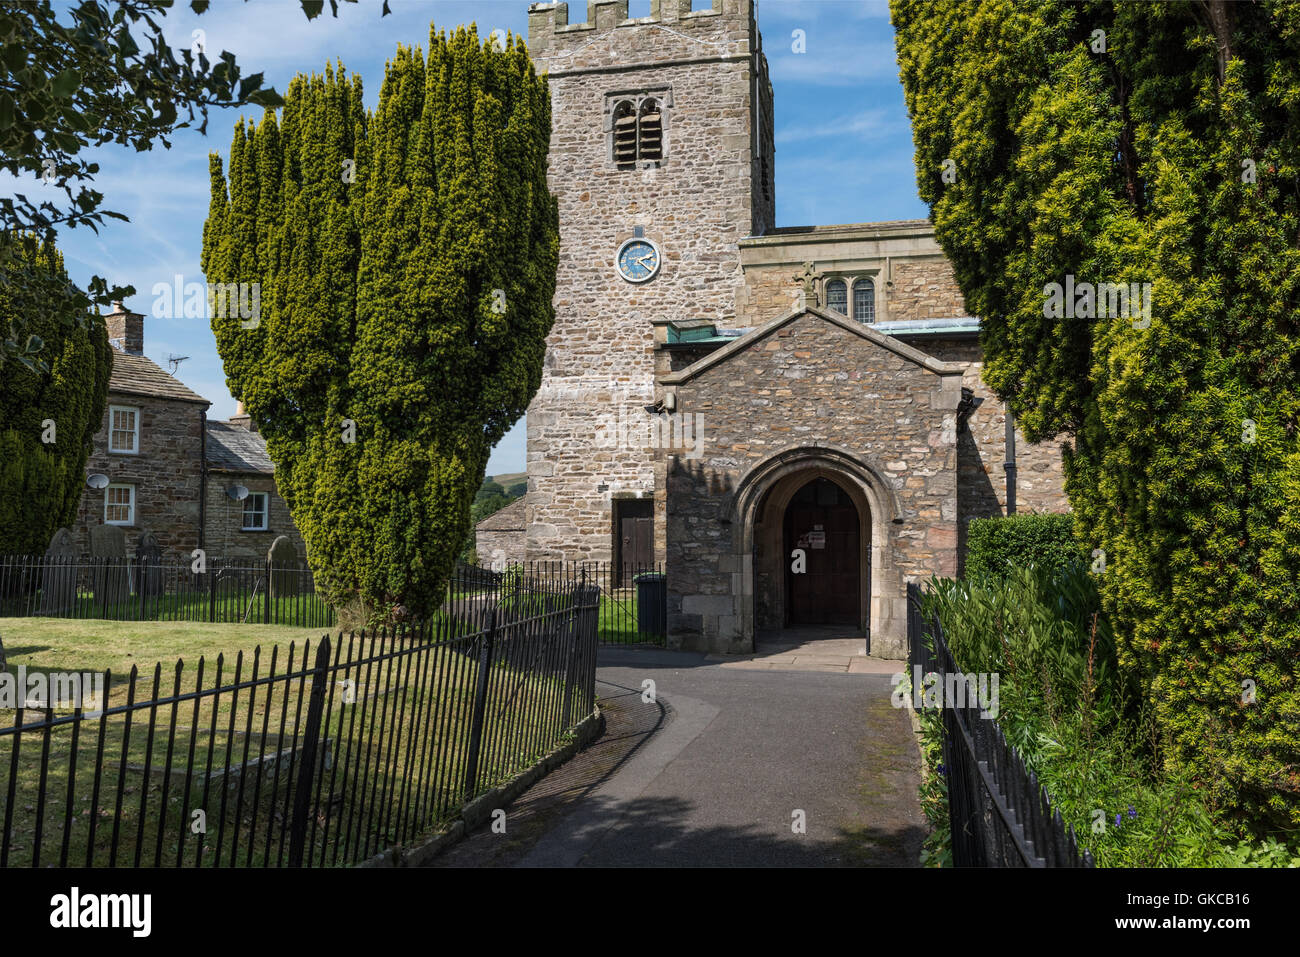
109	572
284	565
59	575
148	563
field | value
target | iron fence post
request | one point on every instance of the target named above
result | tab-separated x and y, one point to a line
480	707
310	742
574	631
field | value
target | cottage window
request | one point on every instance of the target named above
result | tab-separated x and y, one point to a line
255	512
123	430
119	505
864	300
837	296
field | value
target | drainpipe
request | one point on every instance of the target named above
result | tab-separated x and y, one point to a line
203	473
1010	465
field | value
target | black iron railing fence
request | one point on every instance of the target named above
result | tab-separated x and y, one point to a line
1000	815
632	606
131	590
633	598
322	756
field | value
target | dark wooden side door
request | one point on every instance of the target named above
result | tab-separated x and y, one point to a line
823	521
635	544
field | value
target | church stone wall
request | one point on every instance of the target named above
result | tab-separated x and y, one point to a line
982	454
924	289
599	371
913	279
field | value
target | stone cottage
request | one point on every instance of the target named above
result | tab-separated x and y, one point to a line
170	471
792	418
499	538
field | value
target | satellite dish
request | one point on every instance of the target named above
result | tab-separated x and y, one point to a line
237	492
97	480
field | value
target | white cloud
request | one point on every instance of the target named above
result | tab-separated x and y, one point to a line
865	125
832	62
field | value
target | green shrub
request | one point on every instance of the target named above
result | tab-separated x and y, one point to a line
995	545
1075	717
1041	631
936	849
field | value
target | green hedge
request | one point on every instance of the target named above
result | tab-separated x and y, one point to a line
995	545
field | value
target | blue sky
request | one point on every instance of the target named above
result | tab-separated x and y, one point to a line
843	147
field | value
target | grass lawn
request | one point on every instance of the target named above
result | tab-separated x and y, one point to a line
617	623
234	603
394	750
61	644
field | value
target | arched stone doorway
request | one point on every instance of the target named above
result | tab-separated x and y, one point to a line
763	561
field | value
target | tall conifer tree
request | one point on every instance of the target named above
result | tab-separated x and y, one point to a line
1145	143
48	416
406	261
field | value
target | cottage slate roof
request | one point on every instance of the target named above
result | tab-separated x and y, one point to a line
137	375
232	448
508	519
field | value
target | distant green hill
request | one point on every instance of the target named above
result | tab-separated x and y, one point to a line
507	479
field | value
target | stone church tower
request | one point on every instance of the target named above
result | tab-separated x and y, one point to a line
661	148
792	419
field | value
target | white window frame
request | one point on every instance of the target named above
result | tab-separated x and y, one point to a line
130	504
135	432
848	295
853	300
265	510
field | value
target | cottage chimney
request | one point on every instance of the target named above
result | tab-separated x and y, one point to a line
242	419
125	329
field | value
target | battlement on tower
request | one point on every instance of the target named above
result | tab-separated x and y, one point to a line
554	28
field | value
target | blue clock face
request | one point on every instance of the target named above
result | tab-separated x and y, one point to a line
638	260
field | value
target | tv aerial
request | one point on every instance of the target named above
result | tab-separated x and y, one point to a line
175	362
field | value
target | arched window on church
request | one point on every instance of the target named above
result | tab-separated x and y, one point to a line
650	134
625	136
864	300
837	296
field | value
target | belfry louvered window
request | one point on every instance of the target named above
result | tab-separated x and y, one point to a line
625	136
650	134
638	129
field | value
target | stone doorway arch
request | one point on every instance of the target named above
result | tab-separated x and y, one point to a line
758	516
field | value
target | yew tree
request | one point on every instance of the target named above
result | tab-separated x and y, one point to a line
49	413
1155	143
406	263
